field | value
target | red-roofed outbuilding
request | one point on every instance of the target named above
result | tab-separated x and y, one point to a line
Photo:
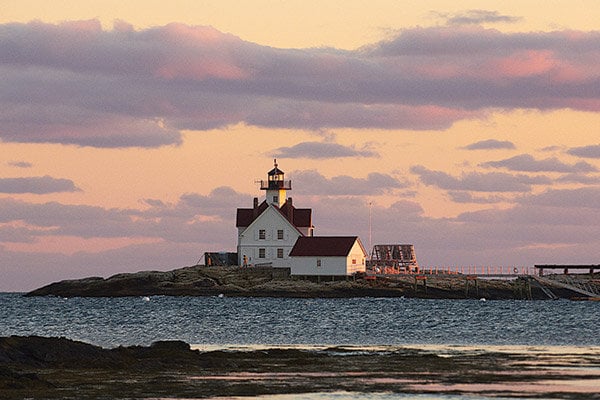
328	256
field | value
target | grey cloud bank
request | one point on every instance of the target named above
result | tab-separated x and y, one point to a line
526	162
36	185
490	144
592	151
75	83
316	150
479	182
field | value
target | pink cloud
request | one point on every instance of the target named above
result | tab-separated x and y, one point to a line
531	63
177	33
198	52
586	104
525	63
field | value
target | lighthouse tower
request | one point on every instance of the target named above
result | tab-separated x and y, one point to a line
276	186
268	231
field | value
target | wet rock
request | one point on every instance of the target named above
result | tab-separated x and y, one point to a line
13	380
176	346
45	368
205	282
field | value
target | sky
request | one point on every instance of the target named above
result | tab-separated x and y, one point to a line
131	131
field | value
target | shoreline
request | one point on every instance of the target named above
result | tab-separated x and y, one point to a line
268	282
40	367
529	349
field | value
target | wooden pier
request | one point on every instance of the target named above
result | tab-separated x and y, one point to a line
566	268
579	282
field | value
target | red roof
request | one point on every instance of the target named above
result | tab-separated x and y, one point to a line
245	216
324	246
299	217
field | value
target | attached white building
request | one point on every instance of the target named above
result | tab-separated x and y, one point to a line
327	256
268	231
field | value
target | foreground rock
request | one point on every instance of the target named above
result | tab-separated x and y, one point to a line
271	282
52	368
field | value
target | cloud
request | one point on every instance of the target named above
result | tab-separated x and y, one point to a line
580	178
37	185
20	164
523	234
528	163
567	209
315	115
221	201
313	183
490	144
59	219
592	151
350	216
479	182
15	234
477	17
75	83
578	199
316	150
194	216
552	148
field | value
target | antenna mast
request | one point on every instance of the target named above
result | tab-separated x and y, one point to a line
370	227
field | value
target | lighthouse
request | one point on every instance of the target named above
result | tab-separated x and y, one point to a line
268	231
274	233
276	186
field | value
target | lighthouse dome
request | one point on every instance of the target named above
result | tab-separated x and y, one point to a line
276	170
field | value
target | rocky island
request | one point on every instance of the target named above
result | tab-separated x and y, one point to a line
275	282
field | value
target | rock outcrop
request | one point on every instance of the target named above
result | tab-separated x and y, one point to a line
275	282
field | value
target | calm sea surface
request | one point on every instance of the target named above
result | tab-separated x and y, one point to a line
111	322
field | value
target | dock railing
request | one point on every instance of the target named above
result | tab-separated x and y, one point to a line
477	270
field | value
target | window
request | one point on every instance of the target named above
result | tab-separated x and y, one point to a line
262	234
279	234
275	199
279	253
354	261
261	253
318	263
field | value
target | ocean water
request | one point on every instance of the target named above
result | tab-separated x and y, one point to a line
562	331
111	322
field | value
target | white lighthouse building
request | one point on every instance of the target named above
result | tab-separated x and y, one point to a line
268	231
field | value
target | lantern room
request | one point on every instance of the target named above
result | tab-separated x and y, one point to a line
276	186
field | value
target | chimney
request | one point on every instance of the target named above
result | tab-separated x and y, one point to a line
255	208
290	210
